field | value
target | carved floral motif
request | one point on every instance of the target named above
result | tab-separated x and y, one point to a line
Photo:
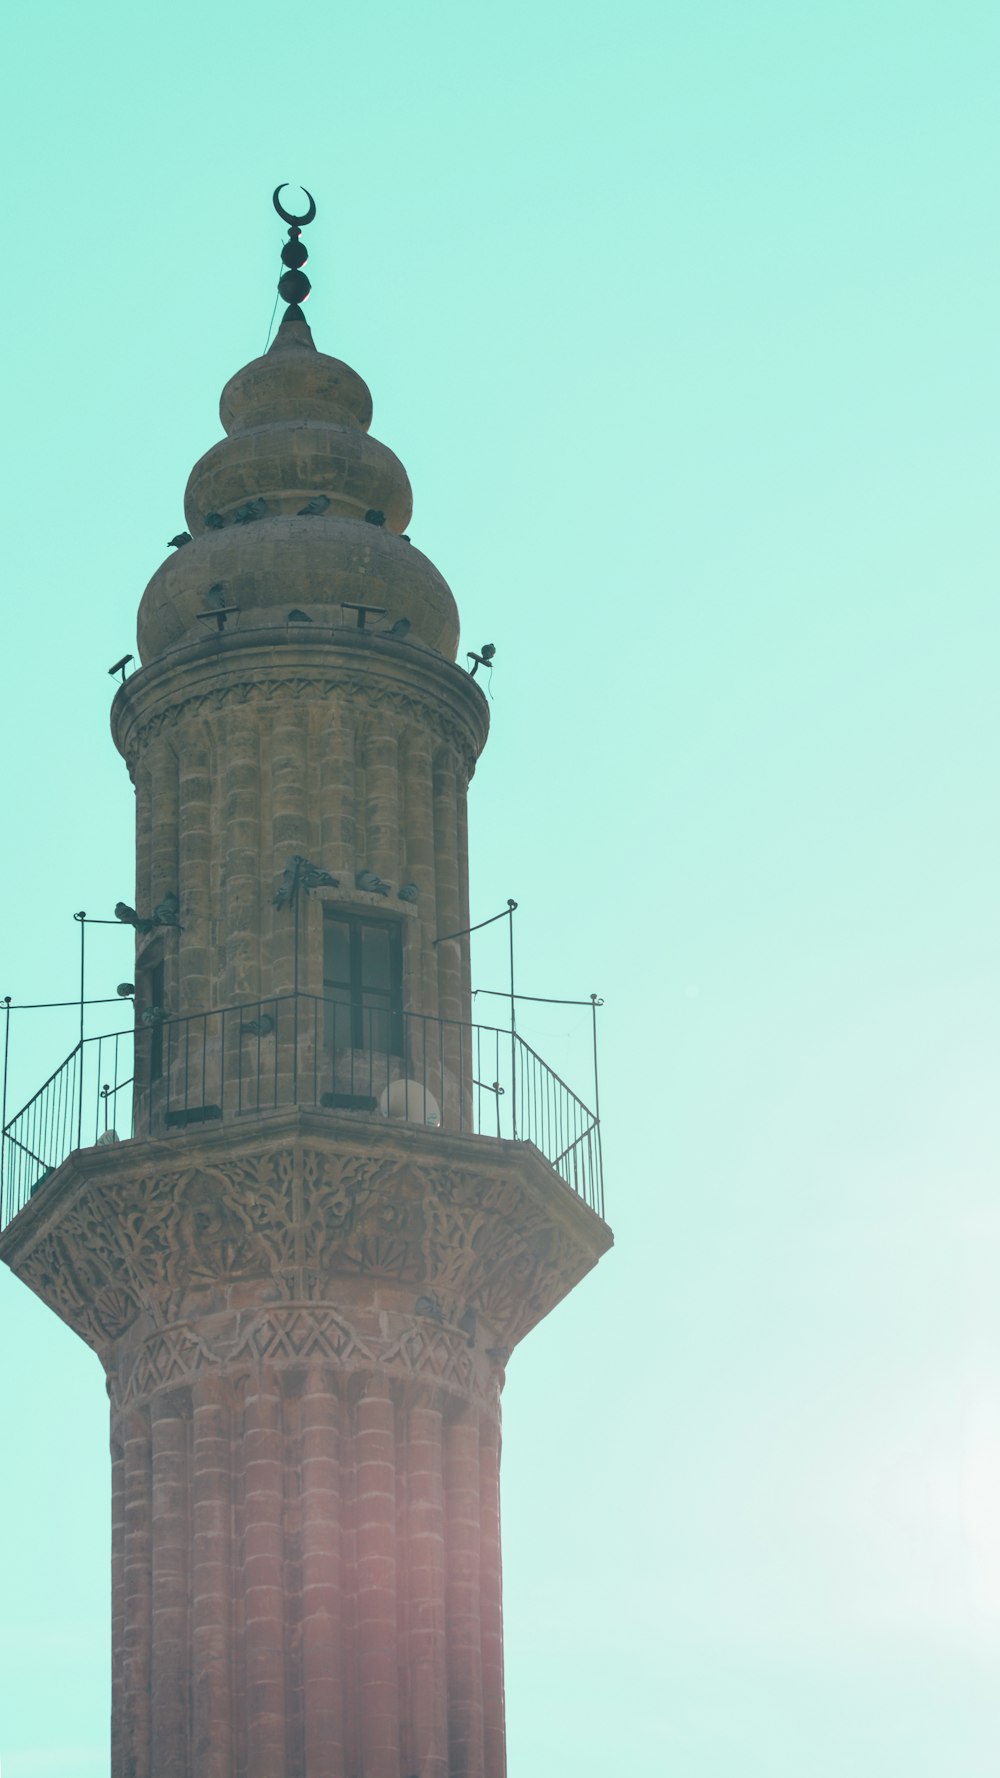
164	1242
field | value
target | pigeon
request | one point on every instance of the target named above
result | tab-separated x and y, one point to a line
367	880
214	521
180	540
318	503
429	1306
408	892
298	617
216	607
261	1027
129	917
374	516
125	990
166	911
300	874
482	659
289	884
399	629
468	1325
154	1015
252	509
313	877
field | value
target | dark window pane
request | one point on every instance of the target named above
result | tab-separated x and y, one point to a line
337	952
363	983
374	957
338	1022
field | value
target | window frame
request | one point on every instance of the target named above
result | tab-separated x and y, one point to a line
356	920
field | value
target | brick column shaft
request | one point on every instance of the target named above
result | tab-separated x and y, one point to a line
491	1600
138	1597
425	1555
465	1666
170	1672
322	1594
211	1592
378	1681
382	802
117	1605
263	1577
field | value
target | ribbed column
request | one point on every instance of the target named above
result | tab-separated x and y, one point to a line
192	979
163	803
117	1607
170	1585
418	816
322	1596
465	1672
338	841
138	1597
426	1651
375	1466
447	889
491	1600
381	756
263	1577
289	835
241	871
464	919
211	1592
143	838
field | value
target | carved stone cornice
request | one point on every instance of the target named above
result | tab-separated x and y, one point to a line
291	1335
263	668
303	1206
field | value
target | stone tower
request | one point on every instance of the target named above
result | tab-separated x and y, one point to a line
341	1204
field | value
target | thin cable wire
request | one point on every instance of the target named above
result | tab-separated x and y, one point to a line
274	311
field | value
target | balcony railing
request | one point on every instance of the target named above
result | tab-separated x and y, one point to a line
300	1050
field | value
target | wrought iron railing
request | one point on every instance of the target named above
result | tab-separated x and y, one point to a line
298	1049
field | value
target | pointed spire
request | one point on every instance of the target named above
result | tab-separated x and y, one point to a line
294	332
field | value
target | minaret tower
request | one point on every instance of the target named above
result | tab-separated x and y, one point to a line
341	1204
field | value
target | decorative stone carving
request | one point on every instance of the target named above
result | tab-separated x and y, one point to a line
297	1334
372	694
121	1233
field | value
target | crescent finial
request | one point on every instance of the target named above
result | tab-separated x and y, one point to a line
294	221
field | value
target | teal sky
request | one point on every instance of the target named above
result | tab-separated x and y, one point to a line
684	321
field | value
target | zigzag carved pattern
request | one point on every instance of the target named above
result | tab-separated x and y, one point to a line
296	1334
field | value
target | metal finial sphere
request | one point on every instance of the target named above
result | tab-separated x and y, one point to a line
293	286
294	221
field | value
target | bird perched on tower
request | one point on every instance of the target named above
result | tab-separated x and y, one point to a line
166	912
367	880
128	917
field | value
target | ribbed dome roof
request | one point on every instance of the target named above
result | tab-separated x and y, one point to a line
297	437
